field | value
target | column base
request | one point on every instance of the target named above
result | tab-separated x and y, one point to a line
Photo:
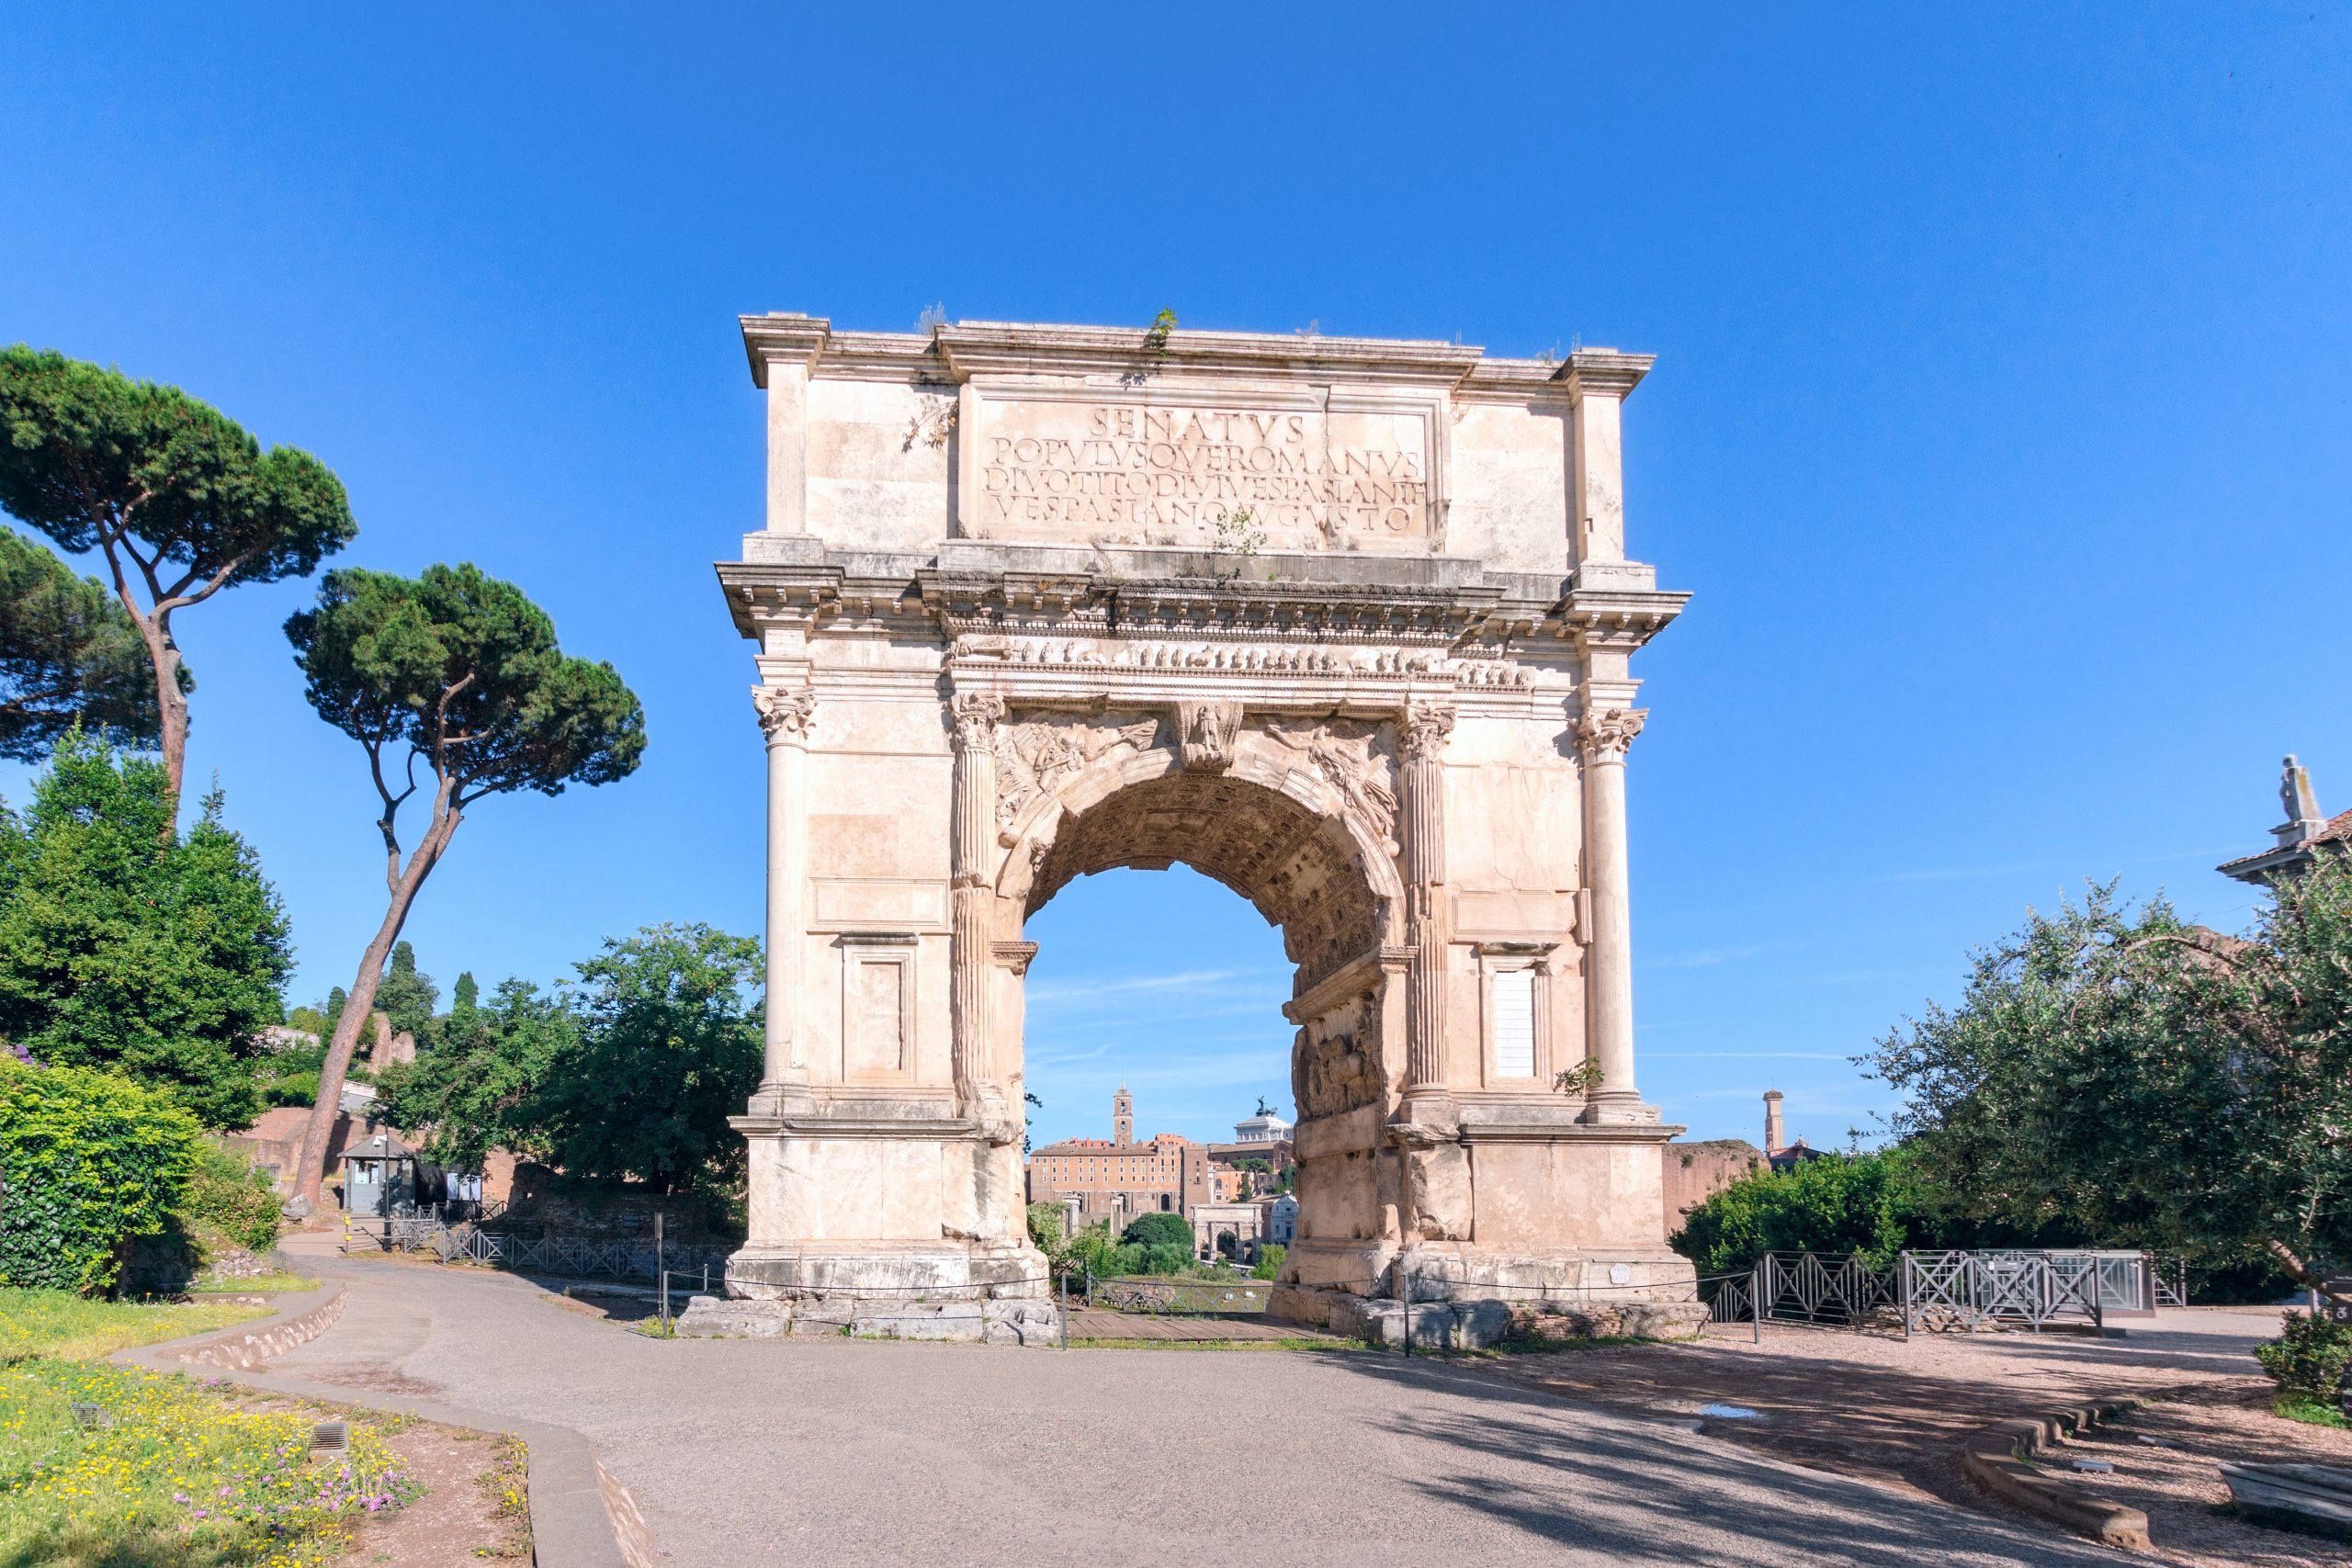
1464	1297
1623	1109
1000	1295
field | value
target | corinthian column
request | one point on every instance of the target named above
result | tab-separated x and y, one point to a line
1602	738
1420	742
785	717
974	831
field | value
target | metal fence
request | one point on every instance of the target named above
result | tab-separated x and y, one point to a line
1944	1291
581	1258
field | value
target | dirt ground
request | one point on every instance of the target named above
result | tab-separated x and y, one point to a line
1899	1412
472	1508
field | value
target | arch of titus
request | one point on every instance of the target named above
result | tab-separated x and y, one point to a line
1343	623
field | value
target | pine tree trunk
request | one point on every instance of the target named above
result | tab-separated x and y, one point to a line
311	1164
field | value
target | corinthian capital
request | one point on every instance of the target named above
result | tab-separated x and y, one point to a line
976	715
1423	731
1604	734
785	715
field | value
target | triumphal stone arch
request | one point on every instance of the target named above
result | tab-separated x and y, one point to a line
1343	623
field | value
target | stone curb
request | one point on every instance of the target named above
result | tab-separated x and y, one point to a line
1995	1460
297	1319
580	1518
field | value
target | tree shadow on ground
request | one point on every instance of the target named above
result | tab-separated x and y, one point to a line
1731	1505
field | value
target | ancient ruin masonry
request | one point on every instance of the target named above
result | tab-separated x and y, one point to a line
1342	622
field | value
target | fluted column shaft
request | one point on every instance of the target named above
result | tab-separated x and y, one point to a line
1421	738
1604	738
786	716
972	949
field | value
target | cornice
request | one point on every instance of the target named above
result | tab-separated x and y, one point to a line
1027	348
1472	620
1619	619
949	355
1606	371
782	337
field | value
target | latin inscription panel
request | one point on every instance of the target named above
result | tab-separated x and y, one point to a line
1313	471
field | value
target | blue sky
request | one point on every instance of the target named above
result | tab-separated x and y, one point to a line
1999	426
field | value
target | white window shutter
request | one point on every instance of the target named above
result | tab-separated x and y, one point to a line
1515	1024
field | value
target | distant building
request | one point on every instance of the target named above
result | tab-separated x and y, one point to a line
1118	1179
1281	1219
1265	1127
2298	840
1245	1222
1781	1154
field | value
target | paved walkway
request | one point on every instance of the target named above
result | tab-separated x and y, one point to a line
850	1453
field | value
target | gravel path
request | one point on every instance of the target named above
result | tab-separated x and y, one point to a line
847	1453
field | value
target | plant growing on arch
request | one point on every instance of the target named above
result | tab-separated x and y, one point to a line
176	496
452	683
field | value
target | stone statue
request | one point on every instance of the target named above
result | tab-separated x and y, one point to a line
2295	792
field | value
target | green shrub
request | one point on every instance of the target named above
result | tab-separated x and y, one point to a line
1159	1257
1160	1230
1869	1203
2310	1357
1045	1225
1269	1260
227	1195
91	1161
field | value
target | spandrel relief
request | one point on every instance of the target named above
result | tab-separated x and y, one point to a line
1038	756
1351	756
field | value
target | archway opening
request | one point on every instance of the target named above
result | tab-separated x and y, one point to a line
1314	1014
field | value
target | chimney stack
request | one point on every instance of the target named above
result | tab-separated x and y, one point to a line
1773	1140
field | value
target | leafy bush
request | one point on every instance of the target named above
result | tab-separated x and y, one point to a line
2310	1358
1269	1260
227	1195
1869	1203
91	1161
1045	1225
1160	1230
127	945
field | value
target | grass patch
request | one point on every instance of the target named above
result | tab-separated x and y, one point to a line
2311	1412
253	1285
166	1471
59	1322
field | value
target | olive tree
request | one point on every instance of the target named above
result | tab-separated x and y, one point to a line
452	683
2115	1072
180	501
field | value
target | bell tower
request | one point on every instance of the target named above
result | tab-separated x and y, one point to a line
1122	1117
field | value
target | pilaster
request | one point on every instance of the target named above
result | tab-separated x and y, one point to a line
1598	379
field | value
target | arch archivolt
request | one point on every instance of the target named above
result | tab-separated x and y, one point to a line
1297	813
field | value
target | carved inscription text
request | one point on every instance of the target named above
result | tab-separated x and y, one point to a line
1171	474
